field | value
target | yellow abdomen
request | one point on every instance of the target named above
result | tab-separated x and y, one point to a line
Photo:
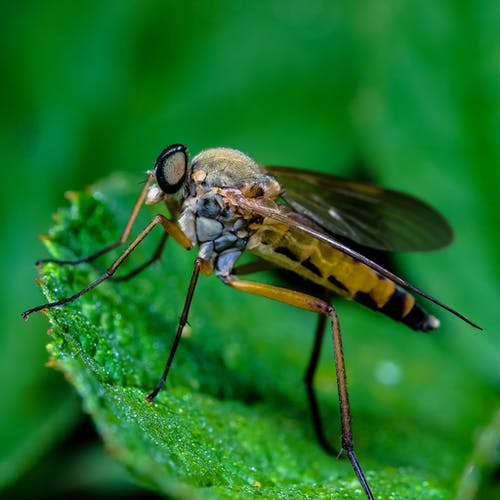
324	265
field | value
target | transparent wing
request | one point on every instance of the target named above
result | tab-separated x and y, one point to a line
291	218
368	215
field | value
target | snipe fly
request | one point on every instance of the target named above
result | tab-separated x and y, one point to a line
309	223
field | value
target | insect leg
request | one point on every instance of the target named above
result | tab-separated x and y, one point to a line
156	256
168	226
123	238
314	304
309	384
199	265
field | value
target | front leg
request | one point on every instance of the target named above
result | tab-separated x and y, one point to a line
169	228
123	238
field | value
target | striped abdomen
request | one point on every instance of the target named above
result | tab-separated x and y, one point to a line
324	265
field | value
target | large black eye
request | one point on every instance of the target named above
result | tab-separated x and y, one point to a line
171	168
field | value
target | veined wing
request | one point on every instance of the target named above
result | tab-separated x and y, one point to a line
286	216
365	214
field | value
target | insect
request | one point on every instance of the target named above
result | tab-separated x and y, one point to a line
310	223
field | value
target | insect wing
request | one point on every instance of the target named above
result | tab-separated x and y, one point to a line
298	221
365	214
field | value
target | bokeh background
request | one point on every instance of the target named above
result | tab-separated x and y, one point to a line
406	94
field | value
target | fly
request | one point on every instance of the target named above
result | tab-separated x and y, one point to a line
306	222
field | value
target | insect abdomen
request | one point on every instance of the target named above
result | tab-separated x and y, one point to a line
401	306
326	266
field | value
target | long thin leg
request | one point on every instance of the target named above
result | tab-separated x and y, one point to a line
345	413
309	384
314	304
199	265
263	265
123	238
156	256
168	226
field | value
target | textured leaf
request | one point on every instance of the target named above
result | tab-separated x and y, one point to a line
232	420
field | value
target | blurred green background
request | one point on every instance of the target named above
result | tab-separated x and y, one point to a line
408	90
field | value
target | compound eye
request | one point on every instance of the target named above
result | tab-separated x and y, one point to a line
171	168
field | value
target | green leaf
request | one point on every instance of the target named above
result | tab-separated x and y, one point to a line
232	420
478	479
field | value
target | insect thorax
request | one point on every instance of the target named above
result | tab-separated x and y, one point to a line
208	219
